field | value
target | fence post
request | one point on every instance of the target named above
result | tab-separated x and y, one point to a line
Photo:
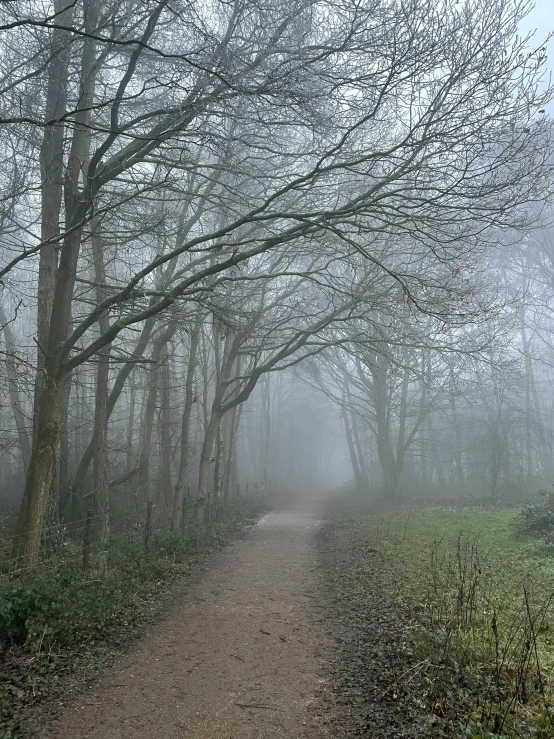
87	542
148	524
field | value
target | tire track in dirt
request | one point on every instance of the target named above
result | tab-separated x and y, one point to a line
240	656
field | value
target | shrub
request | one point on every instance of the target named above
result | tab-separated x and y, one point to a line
64	606
537	519
61	605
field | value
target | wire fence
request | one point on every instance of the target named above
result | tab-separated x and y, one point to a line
96	536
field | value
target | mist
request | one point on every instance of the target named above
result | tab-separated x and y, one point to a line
289	263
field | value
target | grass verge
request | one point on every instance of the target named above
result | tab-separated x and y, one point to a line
478	602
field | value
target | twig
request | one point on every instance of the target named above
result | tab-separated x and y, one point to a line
256	705
536	651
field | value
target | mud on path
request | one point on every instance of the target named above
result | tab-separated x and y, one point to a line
239	656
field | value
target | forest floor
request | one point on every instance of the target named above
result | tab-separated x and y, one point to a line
255	646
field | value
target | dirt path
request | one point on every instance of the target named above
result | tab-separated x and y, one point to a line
239	656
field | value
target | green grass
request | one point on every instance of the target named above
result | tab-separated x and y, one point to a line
479	603
412	536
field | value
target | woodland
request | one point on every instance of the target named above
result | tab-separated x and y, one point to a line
203	206
255	248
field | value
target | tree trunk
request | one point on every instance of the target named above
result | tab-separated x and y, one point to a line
206	453
423	457
233	462
386	459
435	459
51	167
65	504
50	378
165	434
158	351
402	422
457	431
384	446
130	428
218	463
101	486
15	400
266	395
26	545
119	383
148	424
359	451
351	448
229	476
185	424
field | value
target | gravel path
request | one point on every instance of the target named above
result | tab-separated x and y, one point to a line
240	655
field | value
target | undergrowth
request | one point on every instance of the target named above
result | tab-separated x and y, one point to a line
480	605
537	518
59	605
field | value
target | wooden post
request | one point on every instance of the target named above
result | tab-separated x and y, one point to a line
148	524
87	543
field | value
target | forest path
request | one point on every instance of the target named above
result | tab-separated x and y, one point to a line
238	657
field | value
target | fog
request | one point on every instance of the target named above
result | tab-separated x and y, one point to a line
270	250
276	368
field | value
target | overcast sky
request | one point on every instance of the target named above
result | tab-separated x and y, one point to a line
541	19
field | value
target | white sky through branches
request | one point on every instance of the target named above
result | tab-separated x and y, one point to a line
541	20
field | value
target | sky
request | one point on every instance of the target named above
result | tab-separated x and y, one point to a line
541	20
